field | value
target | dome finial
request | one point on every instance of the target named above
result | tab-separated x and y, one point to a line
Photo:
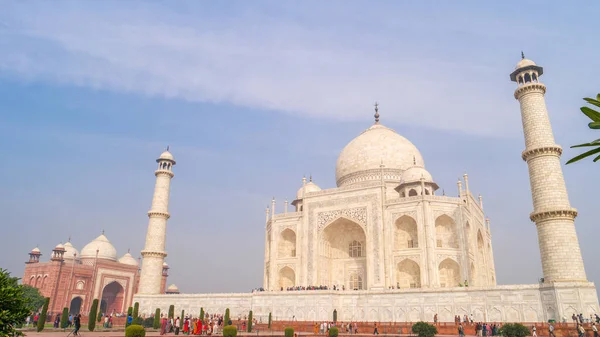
69	238
522	55
310	178
103	232
376	113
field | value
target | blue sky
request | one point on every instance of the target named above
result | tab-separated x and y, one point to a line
251	96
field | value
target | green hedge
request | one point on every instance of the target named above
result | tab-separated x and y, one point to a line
171	311
333	332
42	319
135	330
181	320
423	329
99	316
64	318
136	310
229	331
226	317
250	321
334	315
93	314
148	322
514	330
289	332
156	324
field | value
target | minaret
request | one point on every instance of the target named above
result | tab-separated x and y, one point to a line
552	212
154	250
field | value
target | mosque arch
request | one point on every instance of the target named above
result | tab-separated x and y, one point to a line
287	244
44	279
445	232
408	274
32	281
113	296
406	233
412	192
75	306
38	281
449	272
287	278
79	285
342	248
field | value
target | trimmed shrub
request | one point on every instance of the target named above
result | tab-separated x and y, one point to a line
99	316
64	318
138	321
136	310
289	332
181	320
333	332
270	320
148	322
229	331
135	330
201	314
250	321
42	319
171	311
156	324
226	317
514	330
423	329
93	314
334	315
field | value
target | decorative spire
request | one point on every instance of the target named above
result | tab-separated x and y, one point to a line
522	55
376	113
128	250
310	178
103	232
168	147
69	238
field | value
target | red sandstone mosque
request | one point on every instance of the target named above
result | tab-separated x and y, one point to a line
73	280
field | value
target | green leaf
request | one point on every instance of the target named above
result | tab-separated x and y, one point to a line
596	159
592	114
593	101
583	155
592	143
594	125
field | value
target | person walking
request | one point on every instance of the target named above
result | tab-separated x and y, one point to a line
533	331
551	330
595	329
461	330
375	330
77	323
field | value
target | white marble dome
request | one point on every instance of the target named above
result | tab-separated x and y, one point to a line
525	63
128	259
106	250
70	252
166	155
35	250
59	246
173	288
415	173
310	187
375	146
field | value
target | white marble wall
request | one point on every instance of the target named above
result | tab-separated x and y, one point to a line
524	303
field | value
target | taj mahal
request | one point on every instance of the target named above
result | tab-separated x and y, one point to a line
388	246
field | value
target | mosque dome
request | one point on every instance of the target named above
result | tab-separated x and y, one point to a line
525	63
165	265
70	252
365	154
166	155
35	250
308	188
128	259
105	249
172	287
59	246
415	173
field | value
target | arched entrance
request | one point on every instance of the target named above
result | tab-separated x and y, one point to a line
287	278
287	244
113	295
75	306
445	232
409	274
406	233
449	273
342	255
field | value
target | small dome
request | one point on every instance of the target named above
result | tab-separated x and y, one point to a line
172	287
310	187
415	173
35	250
128	259
165	265
525	63
59	246
105	249
166	155
377	145
70	252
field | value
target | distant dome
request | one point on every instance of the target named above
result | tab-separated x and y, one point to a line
35	250
165	264
166	155
415	173
59	246
362	158
310	187
128	259
525	63
105	249
172	287
70	251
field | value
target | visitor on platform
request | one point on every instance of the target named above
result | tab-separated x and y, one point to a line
375	330
533	331
163	326
177	325
461	330
595	329
56	321
186	326
435	318
77	322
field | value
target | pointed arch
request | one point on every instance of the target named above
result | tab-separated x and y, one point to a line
406	233
408	274
449	272
287	277
287	244
113	294
445	232
75	306
412	192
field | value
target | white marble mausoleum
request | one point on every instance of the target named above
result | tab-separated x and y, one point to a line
392	246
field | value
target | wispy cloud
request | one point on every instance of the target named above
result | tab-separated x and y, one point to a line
252	59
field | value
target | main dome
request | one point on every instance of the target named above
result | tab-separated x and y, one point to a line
362	158
105	249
